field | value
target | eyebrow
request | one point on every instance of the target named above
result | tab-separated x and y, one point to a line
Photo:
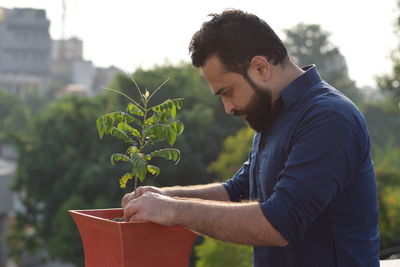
219	91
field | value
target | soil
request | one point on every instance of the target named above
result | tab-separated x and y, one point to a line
118	219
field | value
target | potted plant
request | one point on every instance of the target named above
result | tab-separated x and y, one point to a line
108	240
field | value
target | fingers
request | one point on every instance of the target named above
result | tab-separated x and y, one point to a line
152	207
135	209
124	200
128	197
130	210
139	192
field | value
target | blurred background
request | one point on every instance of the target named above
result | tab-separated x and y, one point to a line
56	57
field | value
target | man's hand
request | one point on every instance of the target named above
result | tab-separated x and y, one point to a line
139	192
151	207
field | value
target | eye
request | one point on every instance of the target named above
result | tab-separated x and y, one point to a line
227	93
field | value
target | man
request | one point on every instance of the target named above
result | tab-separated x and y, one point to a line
309	176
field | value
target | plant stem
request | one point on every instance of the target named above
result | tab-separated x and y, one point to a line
155	91
143	137
133	101
137	87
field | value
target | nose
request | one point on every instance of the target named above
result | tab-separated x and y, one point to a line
228	105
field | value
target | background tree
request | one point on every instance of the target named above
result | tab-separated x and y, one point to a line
15	118
390	83
389	222
384	123
309	44
214	253
384	126
234	152
62	166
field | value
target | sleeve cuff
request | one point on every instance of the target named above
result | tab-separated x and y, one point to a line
228	187
278	214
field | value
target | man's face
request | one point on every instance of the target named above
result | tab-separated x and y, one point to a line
241	96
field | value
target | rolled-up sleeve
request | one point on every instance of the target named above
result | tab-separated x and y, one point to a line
327	149
238	186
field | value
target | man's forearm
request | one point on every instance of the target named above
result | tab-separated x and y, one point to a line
242	223
215	191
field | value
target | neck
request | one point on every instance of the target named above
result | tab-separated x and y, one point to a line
284	75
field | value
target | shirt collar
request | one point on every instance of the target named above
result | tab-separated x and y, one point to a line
291	93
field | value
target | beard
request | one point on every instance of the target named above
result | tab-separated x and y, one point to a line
259	107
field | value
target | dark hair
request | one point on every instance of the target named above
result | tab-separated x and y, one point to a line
236	37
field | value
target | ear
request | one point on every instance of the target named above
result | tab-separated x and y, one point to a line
260	68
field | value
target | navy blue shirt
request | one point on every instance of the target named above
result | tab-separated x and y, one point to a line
311	171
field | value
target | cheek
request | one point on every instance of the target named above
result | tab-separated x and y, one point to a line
244	99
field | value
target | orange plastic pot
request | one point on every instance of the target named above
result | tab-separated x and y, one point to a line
135	244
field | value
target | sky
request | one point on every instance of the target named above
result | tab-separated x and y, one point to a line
129	33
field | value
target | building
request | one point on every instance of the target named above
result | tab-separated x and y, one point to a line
69	49
25	48
69	67
103	77
76	74
29	59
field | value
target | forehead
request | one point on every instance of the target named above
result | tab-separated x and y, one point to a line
216	74
212	68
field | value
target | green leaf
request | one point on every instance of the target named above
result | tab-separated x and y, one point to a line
167	153
105	124
135	110
153	170
118	157
124	179
125	117
164	116
178	103
100	127
173	111
126	128
157	131
120	135
178	125
167	104
155	118
171	135
132	150
139	165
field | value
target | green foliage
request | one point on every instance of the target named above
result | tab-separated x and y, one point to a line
233	154
384	126
166	153
390	83
309	44
389	199
214	253
15	118
142	127
206	124
62	166
387	157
